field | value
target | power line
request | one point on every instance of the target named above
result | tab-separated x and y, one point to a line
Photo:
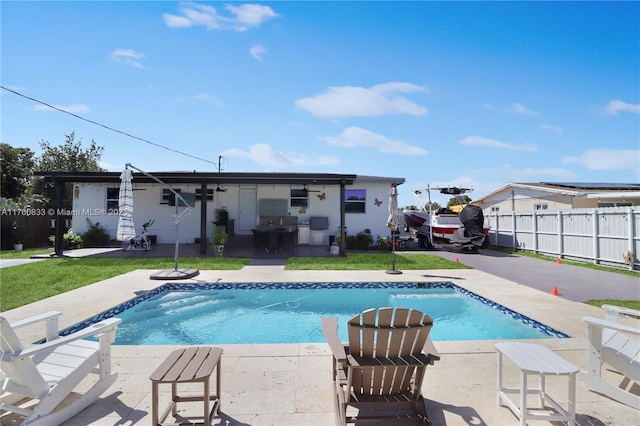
107	127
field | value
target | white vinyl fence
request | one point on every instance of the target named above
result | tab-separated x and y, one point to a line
607	236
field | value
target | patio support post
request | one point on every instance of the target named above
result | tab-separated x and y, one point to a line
60	187
203	217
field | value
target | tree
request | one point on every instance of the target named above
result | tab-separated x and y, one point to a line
16	165
69	157
460	199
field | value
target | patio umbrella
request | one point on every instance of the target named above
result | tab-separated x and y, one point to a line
126	229
393	224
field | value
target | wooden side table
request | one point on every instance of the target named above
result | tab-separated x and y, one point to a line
187	365
540	361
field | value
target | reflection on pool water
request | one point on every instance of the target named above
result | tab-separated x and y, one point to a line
180	314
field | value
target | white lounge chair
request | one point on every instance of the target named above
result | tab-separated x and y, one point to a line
46	374
617	345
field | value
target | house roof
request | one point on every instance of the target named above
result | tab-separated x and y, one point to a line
576	189
378	179
205	177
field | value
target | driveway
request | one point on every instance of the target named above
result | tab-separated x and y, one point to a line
575	283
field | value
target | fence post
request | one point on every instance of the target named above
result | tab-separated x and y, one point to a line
560	235
630	221
513	230
534	229
596	237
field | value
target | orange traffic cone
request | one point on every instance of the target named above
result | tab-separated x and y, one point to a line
555	291
559	261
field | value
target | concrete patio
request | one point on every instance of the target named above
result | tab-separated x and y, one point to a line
290	384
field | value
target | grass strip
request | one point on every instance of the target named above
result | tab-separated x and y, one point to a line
24	284
585	264
631	304
372	261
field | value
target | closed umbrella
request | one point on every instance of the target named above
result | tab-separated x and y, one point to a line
393	224
126	229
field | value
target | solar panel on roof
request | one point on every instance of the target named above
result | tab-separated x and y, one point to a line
596	185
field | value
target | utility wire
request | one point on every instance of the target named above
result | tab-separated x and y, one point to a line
107	127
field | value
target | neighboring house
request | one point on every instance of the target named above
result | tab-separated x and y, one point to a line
559	196
238	201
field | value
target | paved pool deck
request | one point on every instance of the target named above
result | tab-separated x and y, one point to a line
290	384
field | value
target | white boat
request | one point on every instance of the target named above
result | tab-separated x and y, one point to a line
444	227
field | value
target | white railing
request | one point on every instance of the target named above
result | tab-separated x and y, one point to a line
607	236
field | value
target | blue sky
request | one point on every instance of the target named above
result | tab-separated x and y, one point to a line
478	94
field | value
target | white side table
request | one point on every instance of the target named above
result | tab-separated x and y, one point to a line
536	360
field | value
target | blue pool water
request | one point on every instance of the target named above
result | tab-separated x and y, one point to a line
181	314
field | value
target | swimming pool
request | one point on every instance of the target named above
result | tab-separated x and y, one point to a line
223	313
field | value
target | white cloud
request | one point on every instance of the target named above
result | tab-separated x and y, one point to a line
616	106
357	137
256	51
492	143
350	101
517	108
551	128
608	159
74	108
127	57
243	17
250	15
265	155
202	97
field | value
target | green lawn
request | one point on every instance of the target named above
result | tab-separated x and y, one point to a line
24	284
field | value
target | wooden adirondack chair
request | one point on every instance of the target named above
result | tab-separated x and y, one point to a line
36	380
380	372
617	345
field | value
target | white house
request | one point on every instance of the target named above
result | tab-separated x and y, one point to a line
238	201
559	196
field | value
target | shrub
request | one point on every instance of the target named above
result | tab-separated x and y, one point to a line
360	241
96	235
382	243
70	240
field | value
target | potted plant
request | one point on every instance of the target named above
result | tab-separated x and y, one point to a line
18	236
219	239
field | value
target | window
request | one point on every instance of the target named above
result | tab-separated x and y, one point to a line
495	209
113	194
540	206
168	197
299	197
355	200
209	194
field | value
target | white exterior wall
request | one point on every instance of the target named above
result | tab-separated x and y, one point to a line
518	199
90	201
525	199
376	215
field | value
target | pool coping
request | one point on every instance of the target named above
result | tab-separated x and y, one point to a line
553	311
